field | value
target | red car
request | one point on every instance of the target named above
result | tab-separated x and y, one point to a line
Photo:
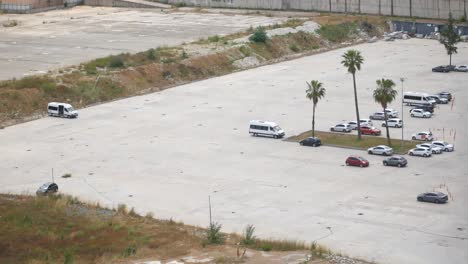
368	130
357	161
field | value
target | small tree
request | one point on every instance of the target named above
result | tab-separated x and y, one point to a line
384	95
449	38
353	60
259	36
314	93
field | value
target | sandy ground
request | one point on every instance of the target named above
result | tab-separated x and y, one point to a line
60	38
166	152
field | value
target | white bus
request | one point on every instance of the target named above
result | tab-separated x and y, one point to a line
411	98
265	128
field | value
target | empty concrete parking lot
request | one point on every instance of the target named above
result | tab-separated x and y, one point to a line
166	152
61	38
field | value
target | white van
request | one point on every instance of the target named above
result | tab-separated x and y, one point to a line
265	128
411	98
61	110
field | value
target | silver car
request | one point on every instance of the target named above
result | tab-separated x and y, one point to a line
433	148
444	145
341	128
423	152
380	150
378	116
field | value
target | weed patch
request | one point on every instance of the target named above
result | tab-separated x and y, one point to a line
337	33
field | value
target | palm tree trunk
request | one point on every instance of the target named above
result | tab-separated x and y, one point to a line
450	55
357	108
386	127
313	121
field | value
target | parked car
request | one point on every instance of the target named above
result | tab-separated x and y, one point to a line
461	68
438	99
393	122
311	141
391	113
357	161
425	107
423	152
420	113
341	128
369	130
380	150
445	95
424	136
443	68
377	116
395	161
444	145
433	148
364	122
433	197
46	188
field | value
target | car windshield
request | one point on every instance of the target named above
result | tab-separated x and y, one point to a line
69	109
276	128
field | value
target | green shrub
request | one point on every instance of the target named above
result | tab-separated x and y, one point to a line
245	50
259	36
184	55
463	19
151	54
68	256
214	38
116	62
129	251
249	237
337	33
213	234
66	175
266	247
294	47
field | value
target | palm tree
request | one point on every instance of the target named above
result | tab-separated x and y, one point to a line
384	95
314	93
352	60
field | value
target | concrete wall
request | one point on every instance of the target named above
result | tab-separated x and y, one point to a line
28	6
414	8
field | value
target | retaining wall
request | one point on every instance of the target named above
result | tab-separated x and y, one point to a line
407	8
29	6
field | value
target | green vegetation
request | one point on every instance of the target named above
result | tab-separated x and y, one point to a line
352	141
315	92
294	47
353	60
259	36
449	38
384	95
337	33
249	237
213	234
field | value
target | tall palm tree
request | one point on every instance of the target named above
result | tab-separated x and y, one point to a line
315	92
353	60
384	95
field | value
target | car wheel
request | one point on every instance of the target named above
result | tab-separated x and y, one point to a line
254	134
412	115
420	199
386	154
424	155
370	152
347	164
399	165
427	139
385	163
332	129
383	125
413	138
411	154
436	201
434	152
424	116
360	165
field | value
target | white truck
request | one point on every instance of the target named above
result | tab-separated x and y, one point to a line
265	128
61	110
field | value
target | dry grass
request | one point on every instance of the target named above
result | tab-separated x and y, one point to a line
351	141
50	229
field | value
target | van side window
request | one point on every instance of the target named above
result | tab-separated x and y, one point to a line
53	108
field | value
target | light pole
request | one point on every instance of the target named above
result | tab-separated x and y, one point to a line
402	79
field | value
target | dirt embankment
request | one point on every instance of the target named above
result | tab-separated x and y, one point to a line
124	75
62	229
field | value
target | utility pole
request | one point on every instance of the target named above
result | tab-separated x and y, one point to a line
53	175
209	205
402	79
